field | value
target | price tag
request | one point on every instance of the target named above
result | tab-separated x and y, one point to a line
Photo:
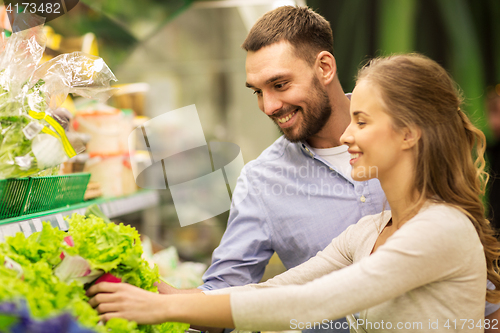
61	222
37	223
11	229
26	228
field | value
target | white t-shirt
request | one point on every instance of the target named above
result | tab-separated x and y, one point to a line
338	157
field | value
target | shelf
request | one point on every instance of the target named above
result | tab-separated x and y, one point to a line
112	207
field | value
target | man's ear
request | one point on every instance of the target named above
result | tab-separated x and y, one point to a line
411	136
327	67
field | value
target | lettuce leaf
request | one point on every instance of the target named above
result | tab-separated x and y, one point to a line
113	248
16	318
44	245
106	246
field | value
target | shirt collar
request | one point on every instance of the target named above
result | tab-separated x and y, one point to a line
306	149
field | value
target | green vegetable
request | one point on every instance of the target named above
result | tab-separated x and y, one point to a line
119	325
96	211
13	118
39	246
43	292
6	322
113	248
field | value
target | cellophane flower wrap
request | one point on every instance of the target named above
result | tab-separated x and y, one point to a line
33	132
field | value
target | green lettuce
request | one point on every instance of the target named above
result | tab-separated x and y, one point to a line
106	246
112	248
13	118
43	292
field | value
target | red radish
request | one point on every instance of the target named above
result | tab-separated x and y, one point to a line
68	240
107	277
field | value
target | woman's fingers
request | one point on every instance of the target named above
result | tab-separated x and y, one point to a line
126	301
107	302
107	316
104	287
108	308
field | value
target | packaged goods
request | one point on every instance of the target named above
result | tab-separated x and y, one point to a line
131	96
108	147
113	172
33	129
181	275
105	126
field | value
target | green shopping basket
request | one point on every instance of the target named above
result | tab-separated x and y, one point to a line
36	194
13	196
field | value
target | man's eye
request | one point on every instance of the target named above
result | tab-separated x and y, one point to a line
257	92
279	85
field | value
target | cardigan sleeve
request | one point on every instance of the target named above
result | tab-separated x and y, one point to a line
427	248
334	257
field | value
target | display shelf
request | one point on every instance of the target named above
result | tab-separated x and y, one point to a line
112	207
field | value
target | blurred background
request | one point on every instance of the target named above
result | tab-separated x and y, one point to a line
176	53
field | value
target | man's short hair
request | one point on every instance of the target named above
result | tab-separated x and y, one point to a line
307	31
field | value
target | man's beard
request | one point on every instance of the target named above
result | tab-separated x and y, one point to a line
314	118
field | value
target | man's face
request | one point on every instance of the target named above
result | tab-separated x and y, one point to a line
288	91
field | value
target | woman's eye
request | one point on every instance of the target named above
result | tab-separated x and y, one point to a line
360	123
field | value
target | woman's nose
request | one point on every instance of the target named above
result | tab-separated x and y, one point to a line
346	138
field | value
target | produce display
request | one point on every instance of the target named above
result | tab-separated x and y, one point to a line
44	277
34	131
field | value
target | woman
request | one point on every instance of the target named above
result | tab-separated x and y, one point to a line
422	266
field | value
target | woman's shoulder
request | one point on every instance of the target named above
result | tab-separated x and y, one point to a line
379	218
443	214
444	219
376	221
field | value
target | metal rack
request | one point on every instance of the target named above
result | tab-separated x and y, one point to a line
112	208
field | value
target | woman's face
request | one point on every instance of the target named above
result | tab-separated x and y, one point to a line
375	146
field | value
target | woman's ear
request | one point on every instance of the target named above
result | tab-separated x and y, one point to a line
327	67
411	136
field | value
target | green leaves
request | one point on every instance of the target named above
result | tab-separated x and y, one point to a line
28	272
105	245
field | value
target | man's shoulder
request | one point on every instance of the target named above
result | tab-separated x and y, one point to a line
279	153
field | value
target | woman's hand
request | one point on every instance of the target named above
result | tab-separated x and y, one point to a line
126	301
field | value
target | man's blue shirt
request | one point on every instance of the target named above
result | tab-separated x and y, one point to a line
289	201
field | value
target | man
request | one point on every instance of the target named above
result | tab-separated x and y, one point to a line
298	194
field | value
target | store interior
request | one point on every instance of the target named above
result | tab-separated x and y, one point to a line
168	55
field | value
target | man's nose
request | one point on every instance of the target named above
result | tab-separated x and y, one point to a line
271	104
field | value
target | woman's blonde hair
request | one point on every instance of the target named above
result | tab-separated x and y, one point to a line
449	157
